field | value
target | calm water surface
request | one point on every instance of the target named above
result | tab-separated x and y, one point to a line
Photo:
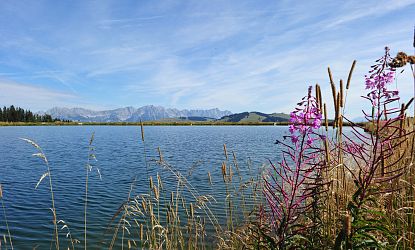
120	155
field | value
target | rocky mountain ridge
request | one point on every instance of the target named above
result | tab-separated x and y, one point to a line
131	114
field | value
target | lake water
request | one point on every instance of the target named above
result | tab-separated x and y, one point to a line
120	155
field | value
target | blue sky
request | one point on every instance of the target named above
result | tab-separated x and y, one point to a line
234	55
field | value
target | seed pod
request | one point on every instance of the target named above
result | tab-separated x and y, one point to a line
192	211
142	130
224	171
319	99
347	225
151	182
144	205
156	192
330	75
159	182
349	78
337	111
333	91
225	151
409	103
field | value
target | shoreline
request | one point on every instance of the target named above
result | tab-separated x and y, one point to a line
148	123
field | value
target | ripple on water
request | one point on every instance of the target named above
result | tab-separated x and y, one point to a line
119	151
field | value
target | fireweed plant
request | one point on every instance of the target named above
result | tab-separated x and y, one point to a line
375	161
345	190
295	179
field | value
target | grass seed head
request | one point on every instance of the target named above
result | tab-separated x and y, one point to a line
349	78
159	182
151	182
225	151
160	154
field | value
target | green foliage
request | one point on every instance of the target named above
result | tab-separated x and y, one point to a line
17	114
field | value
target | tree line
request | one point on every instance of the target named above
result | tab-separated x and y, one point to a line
17	114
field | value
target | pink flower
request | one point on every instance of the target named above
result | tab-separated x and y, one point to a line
293	117
316	123
294	139
310	141
291	128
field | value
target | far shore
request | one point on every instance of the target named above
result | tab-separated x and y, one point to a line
148	123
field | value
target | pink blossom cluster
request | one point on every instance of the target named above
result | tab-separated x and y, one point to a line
378	84
381	76
379	81
304	120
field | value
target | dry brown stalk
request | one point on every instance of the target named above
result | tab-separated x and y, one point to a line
151	182
160	154
326	149
192	210
225	151
210	178
156	193
401	122
224	171
159	182
341	94
330	75
349	78
326	121
333	90
336	111
320	98
230	173
142	130
5	219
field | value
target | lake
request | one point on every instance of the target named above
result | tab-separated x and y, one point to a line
194	150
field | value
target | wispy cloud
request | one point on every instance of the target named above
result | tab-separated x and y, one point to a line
369	9
251	55
35	98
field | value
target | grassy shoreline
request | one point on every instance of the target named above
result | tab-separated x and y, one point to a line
148	123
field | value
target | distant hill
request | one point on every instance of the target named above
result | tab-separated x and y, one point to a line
255	117
188	119
131	114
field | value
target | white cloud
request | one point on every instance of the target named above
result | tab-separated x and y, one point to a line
31	97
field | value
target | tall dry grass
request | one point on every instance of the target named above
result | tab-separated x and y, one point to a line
8	240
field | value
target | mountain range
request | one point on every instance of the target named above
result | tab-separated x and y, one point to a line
131	114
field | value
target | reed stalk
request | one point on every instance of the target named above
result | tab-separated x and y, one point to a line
48	174
5	219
